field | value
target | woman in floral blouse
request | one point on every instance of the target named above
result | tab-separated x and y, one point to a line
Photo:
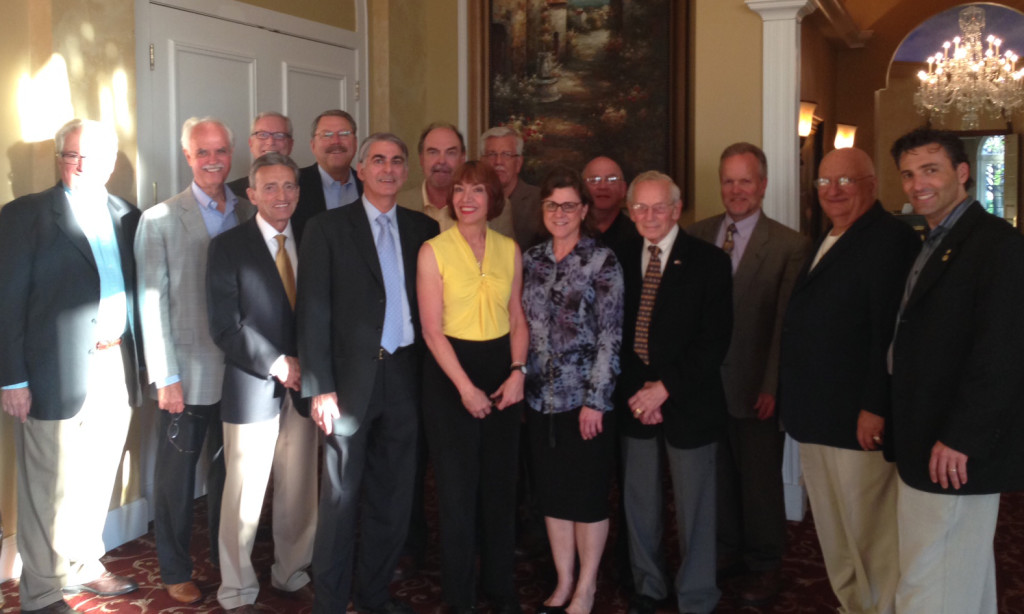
572	296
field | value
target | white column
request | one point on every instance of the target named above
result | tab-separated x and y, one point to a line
780	110
780	104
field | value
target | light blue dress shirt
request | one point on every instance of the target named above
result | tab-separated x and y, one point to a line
372	213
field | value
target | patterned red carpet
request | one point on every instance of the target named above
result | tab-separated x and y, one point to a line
806	588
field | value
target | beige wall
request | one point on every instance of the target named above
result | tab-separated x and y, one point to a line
337	13
93	40
726	92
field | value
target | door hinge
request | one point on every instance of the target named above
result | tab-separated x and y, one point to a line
152	57
357	90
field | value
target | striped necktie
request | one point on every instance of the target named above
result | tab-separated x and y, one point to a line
652	278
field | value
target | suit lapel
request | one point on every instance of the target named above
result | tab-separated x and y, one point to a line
191	218
753	256
65	220
675	264
848	238
362	237
946	253
260	256
409	253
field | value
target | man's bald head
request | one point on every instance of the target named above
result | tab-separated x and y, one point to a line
845	204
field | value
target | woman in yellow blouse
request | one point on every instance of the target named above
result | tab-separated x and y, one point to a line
469	282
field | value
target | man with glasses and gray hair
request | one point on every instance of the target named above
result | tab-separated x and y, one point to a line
185	366
833	381
68	368
521	218
271	131
330	182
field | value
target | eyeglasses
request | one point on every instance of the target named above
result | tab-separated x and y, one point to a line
505	155
327	135
277	136
656	209
71	158
842	182
610	180
551	206
173	430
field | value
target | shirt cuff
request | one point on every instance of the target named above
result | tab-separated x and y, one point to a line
15	386
174	379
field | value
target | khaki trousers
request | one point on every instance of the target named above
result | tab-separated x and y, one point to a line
947	565
66	469
288	446
853	498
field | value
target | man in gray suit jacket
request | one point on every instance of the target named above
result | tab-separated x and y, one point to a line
766	258
185	367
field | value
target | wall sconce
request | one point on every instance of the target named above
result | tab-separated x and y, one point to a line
844	135
806	124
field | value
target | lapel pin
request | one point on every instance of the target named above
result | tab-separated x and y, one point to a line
677	262
945	256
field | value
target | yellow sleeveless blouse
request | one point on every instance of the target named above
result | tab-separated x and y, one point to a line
476	295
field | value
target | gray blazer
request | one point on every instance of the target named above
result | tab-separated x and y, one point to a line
760	291
171	252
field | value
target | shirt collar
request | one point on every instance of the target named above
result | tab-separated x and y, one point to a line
372	213
330	181
745	226
667	242
207	202
269	232
947	223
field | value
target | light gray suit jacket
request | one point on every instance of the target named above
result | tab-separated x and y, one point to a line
760	291
171	252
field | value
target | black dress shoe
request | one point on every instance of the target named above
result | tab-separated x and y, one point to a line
551	609
509	606
57	607
391	606
642	604
107	585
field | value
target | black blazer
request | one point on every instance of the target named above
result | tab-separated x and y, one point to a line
251	321
311	196
341	304
49	298
691	326
837	329
957	358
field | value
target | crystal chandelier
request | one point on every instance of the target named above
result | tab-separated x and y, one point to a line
970	78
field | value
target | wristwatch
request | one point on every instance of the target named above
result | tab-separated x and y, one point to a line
519	366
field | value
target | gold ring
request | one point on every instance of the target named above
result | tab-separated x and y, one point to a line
876	439
952	469
637	411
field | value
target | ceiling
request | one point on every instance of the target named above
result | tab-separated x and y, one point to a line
926	40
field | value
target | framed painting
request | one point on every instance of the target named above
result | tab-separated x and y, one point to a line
582	78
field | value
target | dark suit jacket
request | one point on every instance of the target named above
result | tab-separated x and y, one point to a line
957	358
341	304
689	336
311	196
239	187
251	321
837	329
761	287
49	298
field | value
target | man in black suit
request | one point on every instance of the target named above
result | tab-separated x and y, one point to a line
360	347
330	183
958	396
833	386
251	288
271	131
677	325
68	364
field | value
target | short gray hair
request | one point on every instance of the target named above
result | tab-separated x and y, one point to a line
333	113
271	158
191	123
498	132
378	137
260	116
78	124
654	176
738	149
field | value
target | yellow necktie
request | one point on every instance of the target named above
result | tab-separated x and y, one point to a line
284	269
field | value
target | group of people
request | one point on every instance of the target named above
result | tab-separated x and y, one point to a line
576	315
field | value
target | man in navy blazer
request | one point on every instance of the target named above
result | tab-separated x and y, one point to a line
331	182
669	394
360	348
68	364
833	386
250	285
957	390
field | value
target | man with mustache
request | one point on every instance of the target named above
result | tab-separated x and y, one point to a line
185	366
521	217
331	182
442	149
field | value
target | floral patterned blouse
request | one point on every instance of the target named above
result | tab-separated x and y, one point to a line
574	310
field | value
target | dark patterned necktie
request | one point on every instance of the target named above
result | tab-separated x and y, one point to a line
729	243
652	278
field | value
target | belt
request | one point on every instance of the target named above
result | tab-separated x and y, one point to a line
109	343
383	354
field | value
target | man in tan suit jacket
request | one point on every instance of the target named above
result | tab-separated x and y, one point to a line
766	258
